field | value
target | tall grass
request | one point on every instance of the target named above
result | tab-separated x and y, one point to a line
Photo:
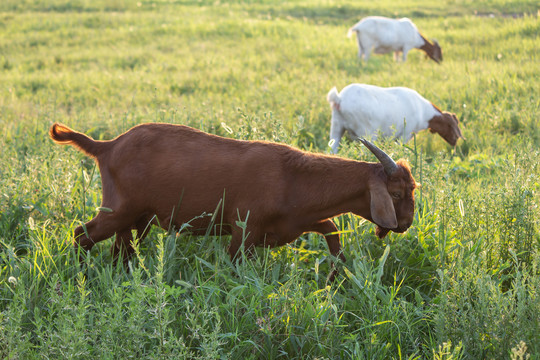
462	283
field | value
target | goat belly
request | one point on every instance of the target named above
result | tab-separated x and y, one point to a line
381	49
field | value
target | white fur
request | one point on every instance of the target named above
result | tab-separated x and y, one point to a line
384	35
367	111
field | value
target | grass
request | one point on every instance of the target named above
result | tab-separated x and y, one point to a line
462	283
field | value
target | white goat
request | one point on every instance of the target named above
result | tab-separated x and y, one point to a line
384	35
367	110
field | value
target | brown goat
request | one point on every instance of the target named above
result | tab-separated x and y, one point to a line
171	174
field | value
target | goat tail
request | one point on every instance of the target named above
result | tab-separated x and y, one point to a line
352	30
333	98
61	134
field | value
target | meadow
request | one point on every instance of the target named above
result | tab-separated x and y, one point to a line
462	283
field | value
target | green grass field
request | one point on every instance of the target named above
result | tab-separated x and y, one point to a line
462	283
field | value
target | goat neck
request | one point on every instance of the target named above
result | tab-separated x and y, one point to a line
331	186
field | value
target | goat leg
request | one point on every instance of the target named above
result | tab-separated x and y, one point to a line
329	230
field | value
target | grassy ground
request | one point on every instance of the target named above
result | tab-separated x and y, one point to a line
463	282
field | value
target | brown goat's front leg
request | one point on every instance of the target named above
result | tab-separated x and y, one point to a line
327	228
239	237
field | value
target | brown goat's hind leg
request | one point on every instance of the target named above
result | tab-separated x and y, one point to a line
122	245
326	228
124	239
143	226
102	227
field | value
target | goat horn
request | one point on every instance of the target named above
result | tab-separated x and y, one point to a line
389	165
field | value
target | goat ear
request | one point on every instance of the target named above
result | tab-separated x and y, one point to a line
382	207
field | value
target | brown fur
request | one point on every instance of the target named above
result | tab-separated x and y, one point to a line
432	49
176	173
446	125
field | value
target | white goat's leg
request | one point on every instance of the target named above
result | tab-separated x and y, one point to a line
404	56
367	53
360	49
336	131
